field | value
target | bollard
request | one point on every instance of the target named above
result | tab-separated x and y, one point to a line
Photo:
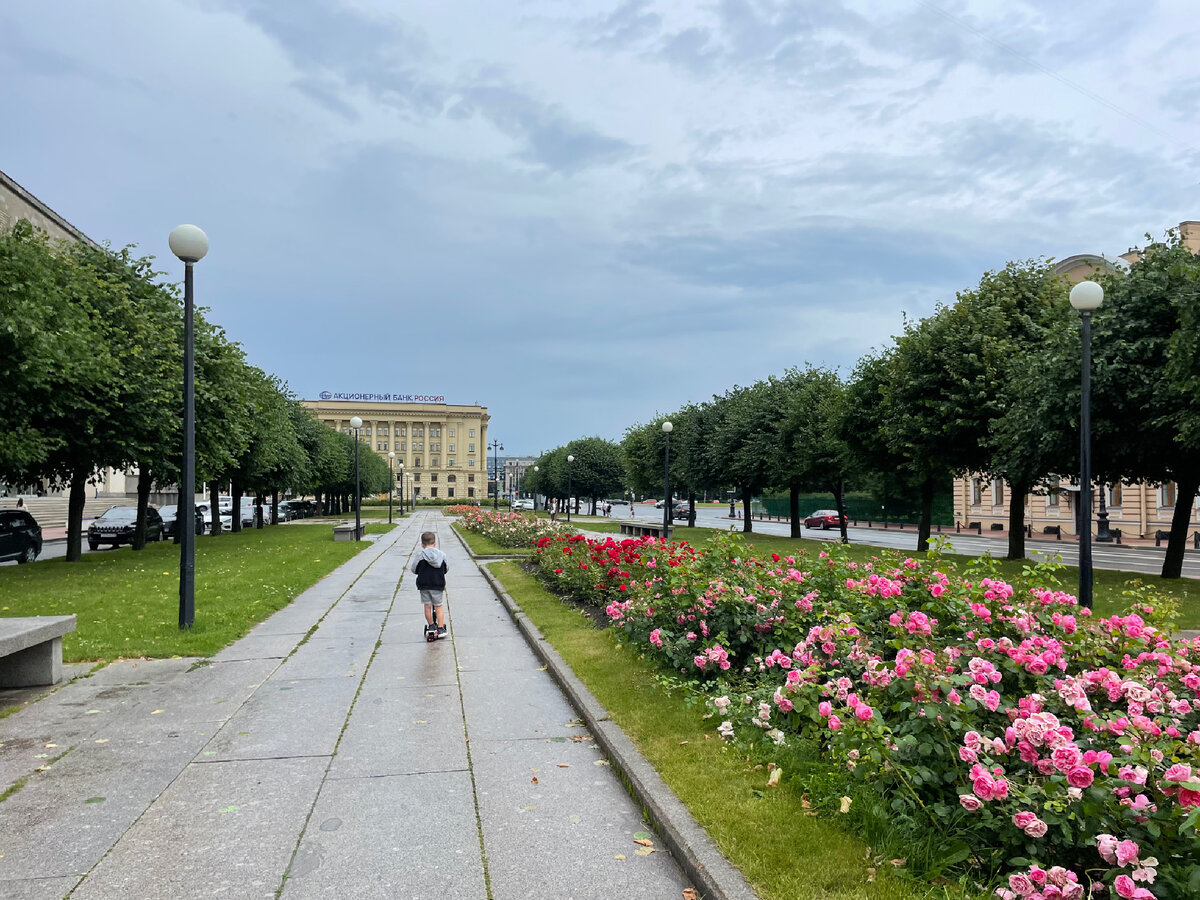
958	527
1196	540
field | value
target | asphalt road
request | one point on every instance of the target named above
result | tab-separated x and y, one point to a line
1147	560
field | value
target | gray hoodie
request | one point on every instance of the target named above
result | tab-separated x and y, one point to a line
430	568
431	555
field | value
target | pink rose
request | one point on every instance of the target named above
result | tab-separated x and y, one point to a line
1024	819
824	708
969	802
864	713
1037	875
1106	845
1178	772
1127	852
1080	777
1037	829
983	787
834	723
1020	884
1124	886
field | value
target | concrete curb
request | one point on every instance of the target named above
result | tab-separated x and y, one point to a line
713	875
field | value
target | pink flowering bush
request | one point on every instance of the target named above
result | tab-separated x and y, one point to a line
592	570
1061	751
508	529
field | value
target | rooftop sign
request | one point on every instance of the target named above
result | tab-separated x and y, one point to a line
384	398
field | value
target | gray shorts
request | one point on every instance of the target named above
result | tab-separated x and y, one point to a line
432	598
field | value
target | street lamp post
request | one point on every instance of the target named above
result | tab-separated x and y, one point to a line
1103	535
535	469
190	244
496	447
1085	298
391	483
401	488
570	459
667	428
356	424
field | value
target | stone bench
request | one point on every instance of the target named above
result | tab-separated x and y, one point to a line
634	528
31	649
345	532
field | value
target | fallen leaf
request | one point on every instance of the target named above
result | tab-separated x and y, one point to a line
681	743
228	809
643	836
542	668
601	762
52	745
533	780
619	856
643	842
846	801
899	862
690	894
101	740
643	851
94	800
575	820
870	874
156	712
805	802
773	780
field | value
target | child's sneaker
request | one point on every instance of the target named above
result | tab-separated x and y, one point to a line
431	633
441	632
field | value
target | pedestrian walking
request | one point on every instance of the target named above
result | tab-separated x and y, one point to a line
554	510
20	503
430	568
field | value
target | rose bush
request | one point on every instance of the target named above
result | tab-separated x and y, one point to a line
508	529
1056	749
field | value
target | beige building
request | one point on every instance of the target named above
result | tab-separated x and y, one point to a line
1138	510
443	446
17	203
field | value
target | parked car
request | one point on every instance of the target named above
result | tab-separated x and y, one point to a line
680	511
117	524
824	519
225	514
20	536
522	504
169	516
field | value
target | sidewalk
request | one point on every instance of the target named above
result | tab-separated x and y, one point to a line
356	762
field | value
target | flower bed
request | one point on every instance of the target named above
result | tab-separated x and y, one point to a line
1053	751
461	509
507	529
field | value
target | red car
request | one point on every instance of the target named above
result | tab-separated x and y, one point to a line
824	519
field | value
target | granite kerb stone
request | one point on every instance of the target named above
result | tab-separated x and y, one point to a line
714	876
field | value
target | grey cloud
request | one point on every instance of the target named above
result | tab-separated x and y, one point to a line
625	26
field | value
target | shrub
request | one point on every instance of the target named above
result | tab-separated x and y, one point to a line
508	529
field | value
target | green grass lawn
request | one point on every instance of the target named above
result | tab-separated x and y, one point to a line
127	604
1107	585
768	833
482	546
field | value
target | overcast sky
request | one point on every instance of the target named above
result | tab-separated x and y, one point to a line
580	213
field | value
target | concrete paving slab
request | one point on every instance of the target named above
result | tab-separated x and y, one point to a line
38	888
401	730
346	621
211	692
416	661
295	618
285	718
336	656
195	841
141	671
261	646
507	704
503	649
576	821
89	795
404	836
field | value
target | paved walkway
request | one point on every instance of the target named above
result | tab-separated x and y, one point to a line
357	761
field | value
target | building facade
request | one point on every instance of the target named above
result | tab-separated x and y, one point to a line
443	446
514	474
1137	509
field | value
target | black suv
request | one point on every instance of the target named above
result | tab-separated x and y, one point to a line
117	524
170	515
20	536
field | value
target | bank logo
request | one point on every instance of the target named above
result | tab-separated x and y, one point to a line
325	395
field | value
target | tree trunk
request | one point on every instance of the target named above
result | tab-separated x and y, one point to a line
258	511
1185	495
75	503
794	511
235	491
143	503
839	503
691	509
924	526
1016	520
275	506
214	507
747	519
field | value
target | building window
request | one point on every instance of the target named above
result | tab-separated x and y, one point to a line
433	476
452	478
417	462
403	431
471	433
417	477
470	492
471	448
451	432
471	462
346	430
451	448
433	492
379	445
1053	494
366	429
1114	494
434	462
383	431
471	479
404	445
976	492
997	492
450	461
1166	494
449	492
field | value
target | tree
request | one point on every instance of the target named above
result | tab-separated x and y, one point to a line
597	470
1146	408
744	440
